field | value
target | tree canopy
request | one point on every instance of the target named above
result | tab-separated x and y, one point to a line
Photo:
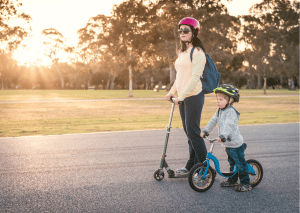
138	44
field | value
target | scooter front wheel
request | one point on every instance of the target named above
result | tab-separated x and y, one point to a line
159	175
196	179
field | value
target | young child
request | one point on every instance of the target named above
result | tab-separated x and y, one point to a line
227	118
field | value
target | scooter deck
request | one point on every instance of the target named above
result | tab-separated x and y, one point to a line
179	176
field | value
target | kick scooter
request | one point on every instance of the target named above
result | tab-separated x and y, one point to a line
201	176
159	174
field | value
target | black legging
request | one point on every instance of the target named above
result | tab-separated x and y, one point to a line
190	112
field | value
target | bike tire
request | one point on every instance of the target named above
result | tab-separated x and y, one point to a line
195	180
255	179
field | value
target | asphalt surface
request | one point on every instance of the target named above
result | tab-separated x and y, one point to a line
113	172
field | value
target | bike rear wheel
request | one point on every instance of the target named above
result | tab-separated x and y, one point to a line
256	178
196	180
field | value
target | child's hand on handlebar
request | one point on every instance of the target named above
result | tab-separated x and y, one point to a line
204	134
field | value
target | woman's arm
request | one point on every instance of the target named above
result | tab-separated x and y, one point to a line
173	89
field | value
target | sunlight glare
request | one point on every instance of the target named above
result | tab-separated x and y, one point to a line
30	54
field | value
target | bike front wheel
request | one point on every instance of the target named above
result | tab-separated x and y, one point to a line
255	178
196	180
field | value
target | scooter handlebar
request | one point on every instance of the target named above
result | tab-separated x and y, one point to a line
172	99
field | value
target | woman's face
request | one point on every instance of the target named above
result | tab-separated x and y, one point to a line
183	36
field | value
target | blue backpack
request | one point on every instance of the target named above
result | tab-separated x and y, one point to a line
211	77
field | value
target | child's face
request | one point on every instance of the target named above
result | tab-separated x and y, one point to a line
222	100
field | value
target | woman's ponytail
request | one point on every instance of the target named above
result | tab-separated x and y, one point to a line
198	43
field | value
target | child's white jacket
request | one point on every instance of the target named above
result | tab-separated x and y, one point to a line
227	121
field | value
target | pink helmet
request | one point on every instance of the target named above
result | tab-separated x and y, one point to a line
190	21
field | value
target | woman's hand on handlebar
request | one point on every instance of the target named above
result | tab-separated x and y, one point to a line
176	101
169	96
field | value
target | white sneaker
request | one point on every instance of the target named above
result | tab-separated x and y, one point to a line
182	171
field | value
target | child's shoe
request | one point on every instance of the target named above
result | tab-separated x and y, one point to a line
182	171
243	188
228	184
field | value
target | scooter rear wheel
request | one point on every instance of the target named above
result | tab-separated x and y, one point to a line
196	180
159	175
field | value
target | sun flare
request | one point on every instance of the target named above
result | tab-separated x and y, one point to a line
31	54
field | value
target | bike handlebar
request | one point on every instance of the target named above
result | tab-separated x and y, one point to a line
211	140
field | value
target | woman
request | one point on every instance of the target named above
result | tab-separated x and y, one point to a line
189	89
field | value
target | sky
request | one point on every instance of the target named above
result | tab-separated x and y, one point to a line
68	16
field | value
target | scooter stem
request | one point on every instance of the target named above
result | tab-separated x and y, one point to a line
171	116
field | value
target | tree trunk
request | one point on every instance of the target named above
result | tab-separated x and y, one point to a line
152	83
62	83
250	82
146	84
112	82
160	84
107	84
265	85
175	37
130	81
291	83
258	82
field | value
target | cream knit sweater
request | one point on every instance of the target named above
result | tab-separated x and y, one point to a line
188	74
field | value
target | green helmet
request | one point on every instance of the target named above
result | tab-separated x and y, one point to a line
229	90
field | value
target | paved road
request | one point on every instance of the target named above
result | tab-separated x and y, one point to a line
113	172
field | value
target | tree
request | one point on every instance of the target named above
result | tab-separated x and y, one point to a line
54	48
129	21
92	43
272	31
11	37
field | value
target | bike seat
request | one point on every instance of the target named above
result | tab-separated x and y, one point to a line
228	173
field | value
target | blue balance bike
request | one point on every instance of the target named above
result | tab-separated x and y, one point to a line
202	176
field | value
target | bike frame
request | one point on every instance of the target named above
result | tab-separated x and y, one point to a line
210	156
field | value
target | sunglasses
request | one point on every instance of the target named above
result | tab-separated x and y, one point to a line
185	31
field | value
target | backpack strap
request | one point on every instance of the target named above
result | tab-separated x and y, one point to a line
191	55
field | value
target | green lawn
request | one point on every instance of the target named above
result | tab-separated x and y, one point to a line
33	95
51	118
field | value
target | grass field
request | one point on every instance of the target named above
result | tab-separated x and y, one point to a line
34	95
52	118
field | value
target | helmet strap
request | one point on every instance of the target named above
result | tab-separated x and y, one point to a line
226	104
